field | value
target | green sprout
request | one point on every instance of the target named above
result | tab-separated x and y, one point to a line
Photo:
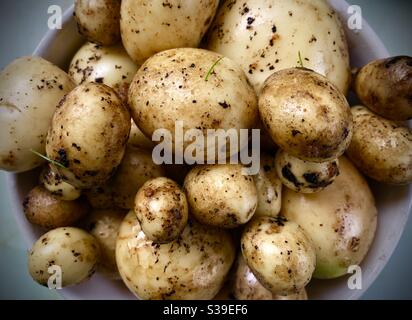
300	60
212	68
48	159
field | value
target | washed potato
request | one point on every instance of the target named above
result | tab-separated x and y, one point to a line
88	135
98	20
279	253
269	188
268	36
305	176
220	195
72	251
53	182
46	210
194	266
101	64
150	26
138	139
306	115
385	87
340	220
380	148
30	90
162	210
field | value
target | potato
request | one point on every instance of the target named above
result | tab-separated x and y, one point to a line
305	176
88	135
380	148
150	26
138	139
268	36
269	188
98	20
385	87
30	89
220	195
279	253
162	210
44	209
306	115
53	182
72	250
108	65
192	267
341	220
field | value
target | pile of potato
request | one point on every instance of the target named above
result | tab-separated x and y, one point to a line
183	231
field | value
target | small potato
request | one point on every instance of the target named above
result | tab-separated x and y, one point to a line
44	209
220	195
279	253
380	148
306	115
193	267
385	87
98	20
305	176
88	135
161	208
138	139
53	182
72	251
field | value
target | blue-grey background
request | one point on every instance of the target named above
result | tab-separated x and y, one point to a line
22	25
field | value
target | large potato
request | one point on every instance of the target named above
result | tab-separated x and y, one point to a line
88	135
267	36
192	267
30	90
341	220
380	148
151	26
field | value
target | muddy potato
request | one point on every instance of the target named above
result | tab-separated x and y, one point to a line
380	148
341	220
88	135
162	210
385	87
267	36
279	253
138	139
53	182
151	26
30	90
98	20
306	115
192	267
72	250
305	176
220	195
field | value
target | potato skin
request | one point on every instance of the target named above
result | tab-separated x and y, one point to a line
173	23
138	139
341	220
53	182
30	90
306	115
192	267
48	211
98	20
385	87
380	148
220	195
88	135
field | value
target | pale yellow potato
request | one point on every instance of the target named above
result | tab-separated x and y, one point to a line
138	139
53	182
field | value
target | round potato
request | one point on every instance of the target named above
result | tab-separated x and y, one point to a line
88	135
220	195
341	220
385	87
53	182
305	176
30	90
194	266
44	209
380	148
267	36
138	139
71	251
306	115
98	20
279	253
151	26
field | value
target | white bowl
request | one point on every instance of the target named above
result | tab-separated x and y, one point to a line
394	203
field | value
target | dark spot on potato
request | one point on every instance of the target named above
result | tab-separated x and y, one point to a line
290	176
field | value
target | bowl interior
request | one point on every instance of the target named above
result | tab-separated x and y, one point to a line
58	46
